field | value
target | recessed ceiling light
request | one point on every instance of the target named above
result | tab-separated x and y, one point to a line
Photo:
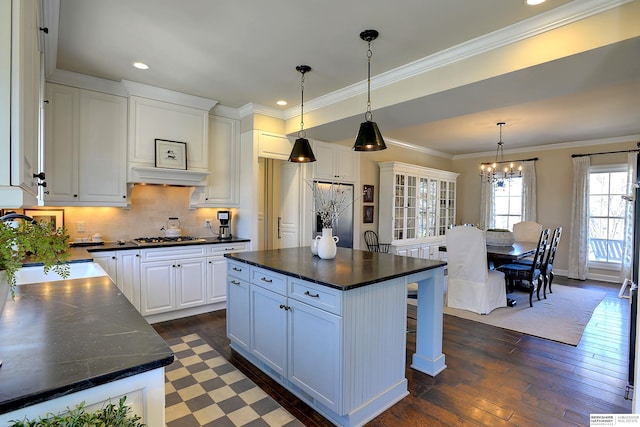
534	2
282	102
141	65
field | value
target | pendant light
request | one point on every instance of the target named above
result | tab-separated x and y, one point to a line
369	137
301	152
489	171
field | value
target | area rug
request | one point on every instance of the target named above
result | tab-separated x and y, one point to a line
203	389
562	317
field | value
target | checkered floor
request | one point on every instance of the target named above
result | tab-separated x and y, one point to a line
203	389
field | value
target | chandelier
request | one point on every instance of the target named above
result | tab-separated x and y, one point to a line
489	171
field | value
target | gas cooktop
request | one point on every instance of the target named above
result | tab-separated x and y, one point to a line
142	241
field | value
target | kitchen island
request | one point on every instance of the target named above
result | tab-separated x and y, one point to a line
334	331
77	340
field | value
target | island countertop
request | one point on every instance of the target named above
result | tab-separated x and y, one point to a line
62	337
350	269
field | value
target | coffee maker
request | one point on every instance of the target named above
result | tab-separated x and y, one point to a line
225	225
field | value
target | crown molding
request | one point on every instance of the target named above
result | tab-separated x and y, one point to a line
558	146
166	95
253	108
413	147
536	25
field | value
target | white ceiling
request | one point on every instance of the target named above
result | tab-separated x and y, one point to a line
244	53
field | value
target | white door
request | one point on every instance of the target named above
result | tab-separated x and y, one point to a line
290	206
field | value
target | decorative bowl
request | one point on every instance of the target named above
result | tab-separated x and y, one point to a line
499	237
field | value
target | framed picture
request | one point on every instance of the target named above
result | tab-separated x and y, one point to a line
56	216
367	214
367	193
171	154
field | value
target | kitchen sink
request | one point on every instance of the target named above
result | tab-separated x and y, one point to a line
77	270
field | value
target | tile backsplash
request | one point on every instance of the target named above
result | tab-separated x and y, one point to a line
151	207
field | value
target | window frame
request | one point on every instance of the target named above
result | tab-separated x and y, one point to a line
495	214
611	168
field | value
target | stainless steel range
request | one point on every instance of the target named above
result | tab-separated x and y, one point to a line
144	241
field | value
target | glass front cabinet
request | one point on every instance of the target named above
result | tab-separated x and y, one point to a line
417	205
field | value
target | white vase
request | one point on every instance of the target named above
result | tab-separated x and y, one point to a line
314	245
327	247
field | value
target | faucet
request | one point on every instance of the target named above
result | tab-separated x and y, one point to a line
11	216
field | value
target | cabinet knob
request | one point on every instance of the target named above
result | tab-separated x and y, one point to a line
40	175
75	195
113	257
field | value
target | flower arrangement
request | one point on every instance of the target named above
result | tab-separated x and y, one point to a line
329	204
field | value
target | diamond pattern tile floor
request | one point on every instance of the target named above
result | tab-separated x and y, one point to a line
203	389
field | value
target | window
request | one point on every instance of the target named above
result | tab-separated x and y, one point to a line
507	202
607	185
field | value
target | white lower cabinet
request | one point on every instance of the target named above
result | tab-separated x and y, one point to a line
172	278
186	279
123	267
284	325
238	307
172	285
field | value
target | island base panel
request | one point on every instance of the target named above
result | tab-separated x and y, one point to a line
358	417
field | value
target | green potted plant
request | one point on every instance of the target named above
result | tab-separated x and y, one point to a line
35	242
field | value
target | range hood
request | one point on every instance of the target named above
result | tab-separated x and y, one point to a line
164	176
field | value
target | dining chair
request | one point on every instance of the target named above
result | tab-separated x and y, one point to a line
371	239
471	285
547	263
529	273
526	231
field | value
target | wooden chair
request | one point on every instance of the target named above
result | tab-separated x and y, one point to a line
371	239
530	274
547	262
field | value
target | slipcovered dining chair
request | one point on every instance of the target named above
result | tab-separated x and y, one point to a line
371	239
528	275
471	285
527	231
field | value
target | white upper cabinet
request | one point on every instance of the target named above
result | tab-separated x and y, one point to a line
334	163
223	185
20	102
273	145
85	147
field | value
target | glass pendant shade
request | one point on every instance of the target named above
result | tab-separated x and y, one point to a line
369	138
301	152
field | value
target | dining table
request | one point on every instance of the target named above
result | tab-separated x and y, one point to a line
500	255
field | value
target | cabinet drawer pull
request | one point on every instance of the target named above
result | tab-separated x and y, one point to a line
307	293
236	269
235	282
229	249
264	279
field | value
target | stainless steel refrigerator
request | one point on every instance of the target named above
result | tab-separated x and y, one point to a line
344	225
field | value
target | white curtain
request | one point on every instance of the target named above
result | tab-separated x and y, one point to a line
579	230
486	206
529	191
627	250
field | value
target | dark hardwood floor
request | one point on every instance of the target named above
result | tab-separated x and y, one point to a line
494	377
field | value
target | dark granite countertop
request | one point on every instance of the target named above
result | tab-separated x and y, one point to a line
62	337
350	269
112	246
